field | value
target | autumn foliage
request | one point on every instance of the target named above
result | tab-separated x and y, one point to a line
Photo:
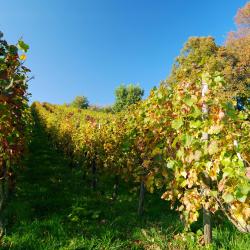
159	141
15	119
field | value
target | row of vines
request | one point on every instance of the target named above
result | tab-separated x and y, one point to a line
183	139
15	117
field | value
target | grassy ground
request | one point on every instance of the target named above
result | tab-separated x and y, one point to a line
55	208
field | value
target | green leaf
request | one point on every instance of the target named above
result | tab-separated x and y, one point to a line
125	146
241	163
218	79
227	171
23	46
176	139
196	112
214	193
244	189
184	183
226	161
240	196
156	151
170	164
195	124
177	123
230	111
188	101
228	197
187	139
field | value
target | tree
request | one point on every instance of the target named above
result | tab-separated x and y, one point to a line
127	95
239	39
201	54
195	57
104	109
232	61
238	42
80	102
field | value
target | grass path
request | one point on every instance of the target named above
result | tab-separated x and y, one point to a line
54	208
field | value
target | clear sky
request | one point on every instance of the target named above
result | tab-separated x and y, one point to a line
89	47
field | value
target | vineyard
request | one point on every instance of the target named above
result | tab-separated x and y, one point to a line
167	145
159	144
171	171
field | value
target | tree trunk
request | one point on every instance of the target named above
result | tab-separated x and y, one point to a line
141	198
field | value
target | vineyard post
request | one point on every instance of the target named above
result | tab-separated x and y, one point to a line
141	197
207	225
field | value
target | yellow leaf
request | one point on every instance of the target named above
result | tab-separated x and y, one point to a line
22	57
213	147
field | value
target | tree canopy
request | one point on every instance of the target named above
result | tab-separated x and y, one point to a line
127	95
80	102
202	54
238	42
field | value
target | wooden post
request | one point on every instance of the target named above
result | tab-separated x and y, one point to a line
207	225
141	198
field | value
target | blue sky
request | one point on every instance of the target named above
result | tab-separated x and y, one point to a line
89	47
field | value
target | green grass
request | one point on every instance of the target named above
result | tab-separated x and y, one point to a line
55	208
